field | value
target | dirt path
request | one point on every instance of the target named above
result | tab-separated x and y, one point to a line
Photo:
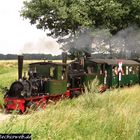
4	117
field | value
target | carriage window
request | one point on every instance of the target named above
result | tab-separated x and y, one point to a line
137	69
89	70
130	70
134	70
123	70
115	71
127	70
101	69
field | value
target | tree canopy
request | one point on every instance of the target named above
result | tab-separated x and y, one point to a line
64	17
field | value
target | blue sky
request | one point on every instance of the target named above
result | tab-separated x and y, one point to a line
18	36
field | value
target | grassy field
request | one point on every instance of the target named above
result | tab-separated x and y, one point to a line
114	115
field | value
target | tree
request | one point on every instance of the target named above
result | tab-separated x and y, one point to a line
68	20
64	17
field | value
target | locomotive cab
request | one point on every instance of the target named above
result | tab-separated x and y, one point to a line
49	70
53	76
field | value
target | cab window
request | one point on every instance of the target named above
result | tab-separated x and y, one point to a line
52	72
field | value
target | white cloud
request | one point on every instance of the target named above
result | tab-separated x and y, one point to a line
16	33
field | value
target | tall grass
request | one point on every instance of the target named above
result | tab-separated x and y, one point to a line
112	115
92	86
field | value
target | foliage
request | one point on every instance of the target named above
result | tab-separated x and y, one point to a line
92	86
64	17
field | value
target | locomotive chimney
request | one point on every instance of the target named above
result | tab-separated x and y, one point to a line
64	57
20	66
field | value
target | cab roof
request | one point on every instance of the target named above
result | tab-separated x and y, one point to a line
48	63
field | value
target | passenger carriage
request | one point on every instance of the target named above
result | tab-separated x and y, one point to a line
113	72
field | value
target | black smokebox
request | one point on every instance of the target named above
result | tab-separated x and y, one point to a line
20	66
64	57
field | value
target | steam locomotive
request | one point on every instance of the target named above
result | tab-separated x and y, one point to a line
49	81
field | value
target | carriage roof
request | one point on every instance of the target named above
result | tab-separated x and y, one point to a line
114	61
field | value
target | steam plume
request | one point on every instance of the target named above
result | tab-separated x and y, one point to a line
42	45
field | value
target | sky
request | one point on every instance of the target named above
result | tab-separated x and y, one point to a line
19	36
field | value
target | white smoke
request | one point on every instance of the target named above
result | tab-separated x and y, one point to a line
83	39
44	45
126	41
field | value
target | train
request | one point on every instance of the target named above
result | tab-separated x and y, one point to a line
49	81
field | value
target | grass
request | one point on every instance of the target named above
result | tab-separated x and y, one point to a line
114	115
